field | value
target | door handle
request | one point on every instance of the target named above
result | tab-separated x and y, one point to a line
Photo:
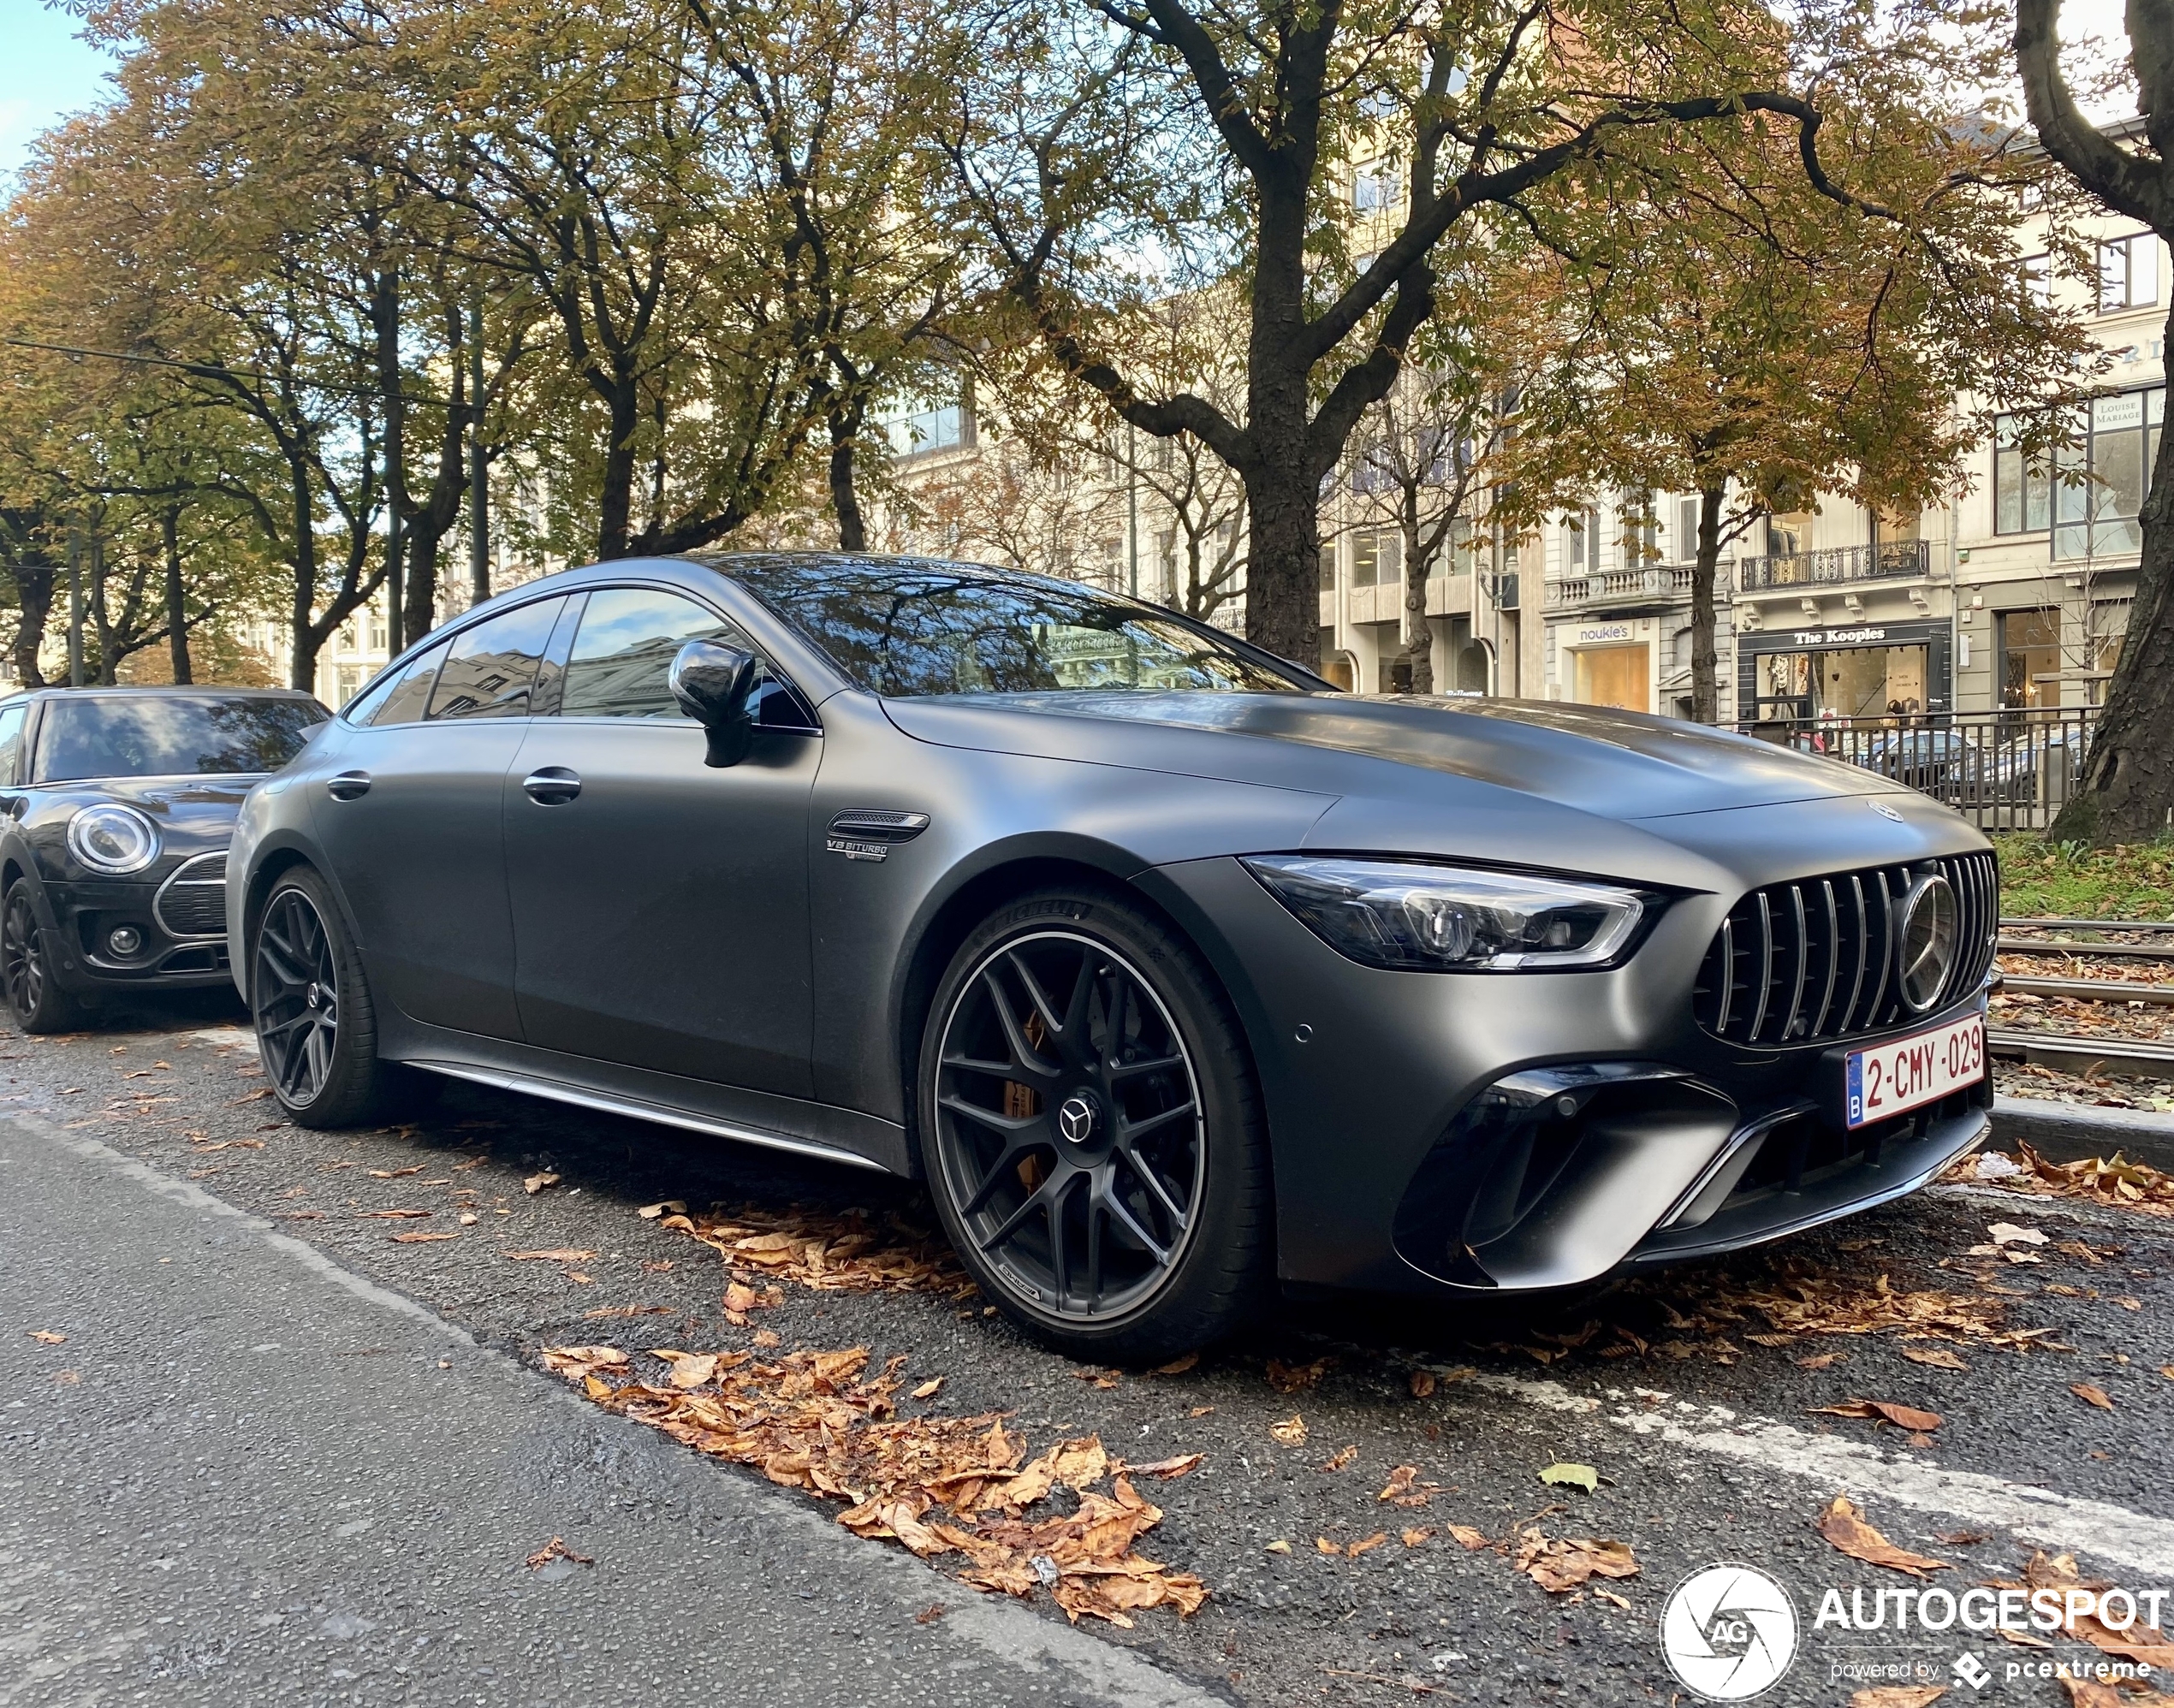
349	786
552	785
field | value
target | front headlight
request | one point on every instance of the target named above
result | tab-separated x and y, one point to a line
1409	916
113	839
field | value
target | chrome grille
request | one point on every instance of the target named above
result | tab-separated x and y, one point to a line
192	902
1815	959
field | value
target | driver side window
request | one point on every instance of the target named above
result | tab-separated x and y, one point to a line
621	663
622	655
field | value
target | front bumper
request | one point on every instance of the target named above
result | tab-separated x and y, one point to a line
1681	1145
180	919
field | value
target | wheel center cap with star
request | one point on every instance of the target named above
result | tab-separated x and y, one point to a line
1077	1119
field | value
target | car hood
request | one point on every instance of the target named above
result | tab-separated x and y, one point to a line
163	797
1614	764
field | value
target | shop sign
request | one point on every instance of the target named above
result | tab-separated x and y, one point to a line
1604	634
1839	637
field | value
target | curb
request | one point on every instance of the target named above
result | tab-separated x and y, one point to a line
2068	1132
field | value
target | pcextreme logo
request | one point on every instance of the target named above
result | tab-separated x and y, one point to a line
1728	1631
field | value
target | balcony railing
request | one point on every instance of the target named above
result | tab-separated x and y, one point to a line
1620	586
1885	561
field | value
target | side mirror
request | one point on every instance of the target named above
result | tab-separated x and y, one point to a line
715	685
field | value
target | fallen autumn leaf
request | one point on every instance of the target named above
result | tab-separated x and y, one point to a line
1843	1524
1903	1417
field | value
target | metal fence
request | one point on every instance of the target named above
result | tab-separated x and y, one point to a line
2007	770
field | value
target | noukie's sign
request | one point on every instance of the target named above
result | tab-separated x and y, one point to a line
1603	636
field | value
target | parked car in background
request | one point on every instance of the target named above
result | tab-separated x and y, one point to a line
1174	972
117	805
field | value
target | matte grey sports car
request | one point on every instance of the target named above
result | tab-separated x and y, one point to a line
1172	971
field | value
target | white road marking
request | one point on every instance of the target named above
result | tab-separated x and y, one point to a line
2068	1522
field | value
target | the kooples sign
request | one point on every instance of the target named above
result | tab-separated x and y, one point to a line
2134	1613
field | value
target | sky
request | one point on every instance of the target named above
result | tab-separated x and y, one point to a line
46	73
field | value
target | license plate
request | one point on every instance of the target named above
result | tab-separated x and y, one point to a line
1896	1078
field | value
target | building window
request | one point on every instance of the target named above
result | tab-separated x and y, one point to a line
2022	490
1376	558
2128	273
2030	647
1640	537
2038	278
1686	529
2104	475
1375	470
1581	541
926	425
1376	188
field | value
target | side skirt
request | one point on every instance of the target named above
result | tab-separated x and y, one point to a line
640	1110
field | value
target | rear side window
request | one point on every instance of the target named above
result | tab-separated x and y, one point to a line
491	669
11	721
402	696
621	663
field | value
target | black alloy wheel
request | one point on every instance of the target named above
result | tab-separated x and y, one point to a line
1069	1121
315	1024
296	981
37	1003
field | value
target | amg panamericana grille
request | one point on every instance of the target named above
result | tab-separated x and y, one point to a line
1815	959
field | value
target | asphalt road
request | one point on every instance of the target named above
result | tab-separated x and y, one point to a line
250	1475
291	1373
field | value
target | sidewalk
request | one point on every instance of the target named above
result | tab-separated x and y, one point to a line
250	1476
2067	1132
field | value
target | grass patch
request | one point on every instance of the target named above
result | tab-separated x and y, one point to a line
2067	881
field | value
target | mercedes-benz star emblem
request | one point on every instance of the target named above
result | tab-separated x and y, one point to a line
1076	1119
1728	1632
1926	948
1886	811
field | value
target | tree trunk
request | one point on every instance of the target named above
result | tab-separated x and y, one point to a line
844	498
2126	793
420	613
1705	694
169	539
1418	632
615	501
301	669
34	579
1283	573
99	620
384	312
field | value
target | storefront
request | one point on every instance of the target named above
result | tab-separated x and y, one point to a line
1610	664
1874	670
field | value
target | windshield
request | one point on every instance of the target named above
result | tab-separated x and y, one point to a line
904	630
132	735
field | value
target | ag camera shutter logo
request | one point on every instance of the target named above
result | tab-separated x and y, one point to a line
1728	1631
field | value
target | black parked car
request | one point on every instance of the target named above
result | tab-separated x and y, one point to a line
117	805
1173	971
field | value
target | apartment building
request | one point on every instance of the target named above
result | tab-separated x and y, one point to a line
2013	597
